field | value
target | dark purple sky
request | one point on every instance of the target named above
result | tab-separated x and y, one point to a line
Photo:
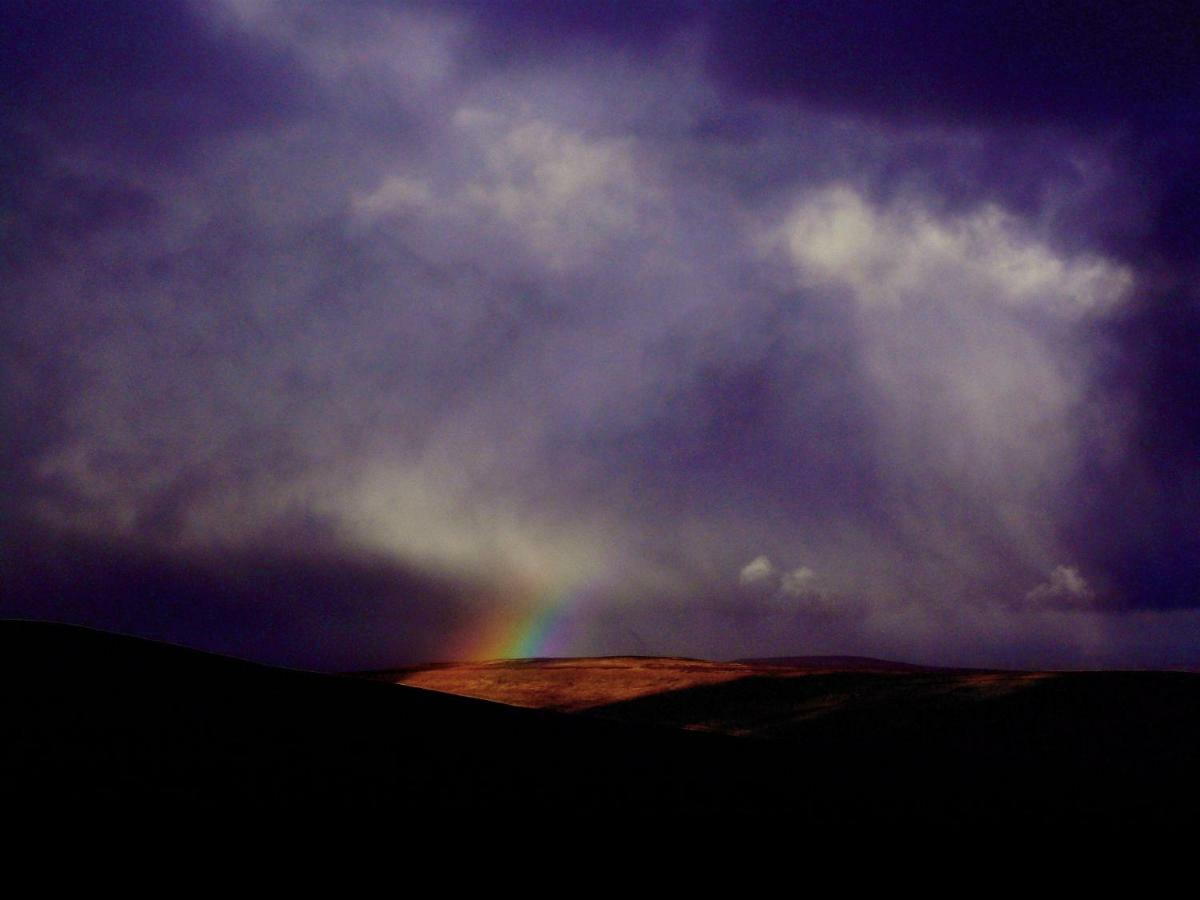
349	334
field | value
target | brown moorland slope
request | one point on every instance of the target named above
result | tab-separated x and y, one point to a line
760	698
568	685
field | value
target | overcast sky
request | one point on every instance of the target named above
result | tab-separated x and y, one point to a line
335	333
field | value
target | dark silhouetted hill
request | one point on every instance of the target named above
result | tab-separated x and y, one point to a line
94	721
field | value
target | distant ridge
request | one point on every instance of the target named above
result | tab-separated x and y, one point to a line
849	664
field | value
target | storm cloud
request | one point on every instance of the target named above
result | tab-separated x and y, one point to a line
722	329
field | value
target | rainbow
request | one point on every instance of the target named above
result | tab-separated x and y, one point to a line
523	624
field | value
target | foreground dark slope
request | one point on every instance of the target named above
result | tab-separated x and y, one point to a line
96	721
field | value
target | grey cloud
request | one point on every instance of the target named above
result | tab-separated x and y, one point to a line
316	606
126	79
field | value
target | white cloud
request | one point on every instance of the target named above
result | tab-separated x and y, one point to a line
405	54
563	191
396	195
884	255
1064	587
757	571
562	195
797	581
